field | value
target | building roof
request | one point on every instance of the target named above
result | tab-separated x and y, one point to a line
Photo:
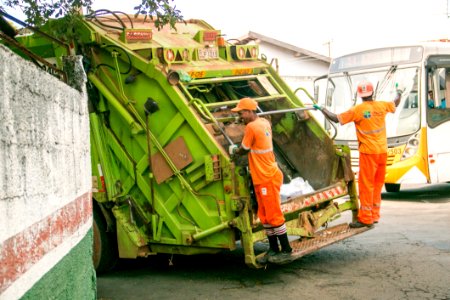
297	50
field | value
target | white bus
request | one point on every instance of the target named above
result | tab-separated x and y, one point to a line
419	131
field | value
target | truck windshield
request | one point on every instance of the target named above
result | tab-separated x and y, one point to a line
341	96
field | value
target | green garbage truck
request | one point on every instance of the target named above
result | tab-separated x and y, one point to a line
161	123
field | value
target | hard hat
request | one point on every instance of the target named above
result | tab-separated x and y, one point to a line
246	103
365	89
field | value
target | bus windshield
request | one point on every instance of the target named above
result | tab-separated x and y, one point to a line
341	96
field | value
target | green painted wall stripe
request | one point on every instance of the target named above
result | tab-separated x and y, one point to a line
72	278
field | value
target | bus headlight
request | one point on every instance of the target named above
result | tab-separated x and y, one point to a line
412	146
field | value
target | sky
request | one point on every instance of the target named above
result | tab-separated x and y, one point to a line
335	27
328	27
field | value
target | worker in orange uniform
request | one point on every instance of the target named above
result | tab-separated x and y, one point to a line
369	119
266	177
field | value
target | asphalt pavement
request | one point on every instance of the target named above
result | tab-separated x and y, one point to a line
406	256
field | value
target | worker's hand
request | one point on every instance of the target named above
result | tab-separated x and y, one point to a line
232	149
317	106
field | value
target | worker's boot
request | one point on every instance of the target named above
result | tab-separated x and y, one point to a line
285	256
273	250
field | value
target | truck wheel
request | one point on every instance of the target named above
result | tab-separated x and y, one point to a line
104	254
392	187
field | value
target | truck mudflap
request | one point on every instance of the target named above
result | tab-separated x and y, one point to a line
322	238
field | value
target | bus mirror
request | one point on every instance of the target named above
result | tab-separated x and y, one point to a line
329	98
316	93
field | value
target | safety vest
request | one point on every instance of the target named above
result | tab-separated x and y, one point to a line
261	159
369	119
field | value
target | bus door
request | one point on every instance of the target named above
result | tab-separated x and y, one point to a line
438	118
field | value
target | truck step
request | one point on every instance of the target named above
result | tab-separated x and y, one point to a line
322	238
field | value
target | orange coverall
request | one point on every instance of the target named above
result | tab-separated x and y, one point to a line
266	176
369	119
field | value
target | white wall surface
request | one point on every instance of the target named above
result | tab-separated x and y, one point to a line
44	144
45	173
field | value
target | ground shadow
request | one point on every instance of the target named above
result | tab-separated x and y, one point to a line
430	193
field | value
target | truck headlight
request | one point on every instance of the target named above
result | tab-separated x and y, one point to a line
412	146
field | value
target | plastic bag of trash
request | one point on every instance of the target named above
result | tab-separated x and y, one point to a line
298	186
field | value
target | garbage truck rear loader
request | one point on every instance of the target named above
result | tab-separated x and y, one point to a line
161	123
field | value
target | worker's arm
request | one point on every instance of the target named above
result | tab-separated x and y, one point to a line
398	97
237	150
328	114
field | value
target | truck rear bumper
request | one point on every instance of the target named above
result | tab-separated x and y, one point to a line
322	238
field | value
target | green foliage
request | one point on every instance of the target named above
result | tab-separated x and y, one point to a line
164	12
37	12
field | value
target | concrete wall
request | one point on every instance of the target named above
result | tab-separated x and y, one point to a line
45	186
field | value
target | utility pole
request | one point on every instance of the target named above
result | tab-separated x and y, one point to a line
328	44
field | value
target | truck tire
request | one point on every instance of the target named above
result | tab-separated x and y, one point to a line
392	187
105	255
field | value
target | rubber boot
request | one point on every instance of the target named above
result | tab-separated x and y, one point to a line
274	249
284	242
273	243
285	256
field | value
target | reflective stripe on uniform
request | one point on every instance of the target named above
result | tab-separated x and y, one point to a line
371	131
280	230
261	151
269	231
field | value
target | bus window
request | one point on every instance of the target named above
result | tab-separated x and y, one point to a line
438	108
406	119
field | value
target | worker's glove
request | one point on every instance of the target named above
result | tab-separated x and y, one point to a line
233	149
317	106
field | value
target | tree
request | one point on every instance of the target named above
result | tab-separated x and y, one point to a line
38	12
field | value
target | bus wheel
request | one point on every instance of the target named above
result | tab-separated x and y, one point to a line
392	187
104	254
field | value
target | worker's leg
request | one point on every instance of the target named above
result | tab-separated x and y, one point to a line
273	246
281	233
366	178
261	208
268	197
285	255
380	175
270	215
262	193
273	241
